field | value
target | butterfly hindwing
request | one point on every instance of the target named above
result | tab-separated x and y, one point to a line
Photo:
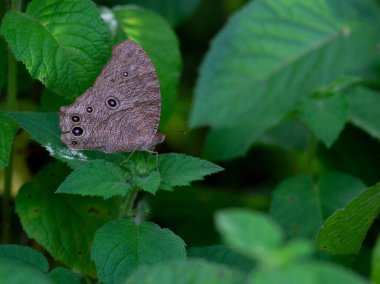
121	111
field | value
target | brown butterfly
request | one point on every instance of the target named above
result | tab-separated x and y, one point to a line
121	111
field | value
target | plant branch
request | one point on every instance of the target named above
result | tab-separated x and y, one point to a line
127	208
311	153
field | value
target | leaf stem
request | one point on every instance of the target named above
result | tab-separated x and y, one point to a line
311	153
127	208
11	106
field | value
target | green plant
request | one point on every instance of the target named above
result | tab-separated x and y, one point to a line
280	74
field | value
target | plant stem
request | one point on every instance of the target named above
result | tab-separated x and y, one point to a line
127	208
8	174
311	153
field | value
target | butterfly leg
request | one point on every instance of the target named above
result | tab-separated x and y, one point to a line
129	156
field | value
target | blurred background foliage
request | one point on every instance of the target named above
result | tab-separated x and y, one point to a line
248	180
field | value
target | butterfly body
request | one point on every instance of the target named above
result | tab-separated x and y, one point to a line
121	111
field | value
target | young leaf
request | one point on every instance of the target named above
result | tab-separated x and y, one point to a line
160	42
96	178
248	232
344	231
68	237
13	271
64	44
325	116
180	170
149	183
25	255
7	133
136	245
223	255
62	275
300	206
268	55
186	272
361	110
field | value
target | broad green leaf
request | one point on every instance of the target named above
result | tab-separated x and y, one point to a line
180	170
300	206
248	232
64	44
341	84
15	272
62	275
375	270
306	273
25	255
223	255
121	246
362	110
269	55
96	178
344	231
186	272
63	224
7	133
43	127
174	11
160	42
325	115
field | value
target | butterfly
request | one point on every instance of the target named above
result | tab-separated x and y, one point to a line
121	111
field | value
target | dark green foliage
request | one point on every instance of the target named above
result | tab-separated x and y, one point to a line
290	87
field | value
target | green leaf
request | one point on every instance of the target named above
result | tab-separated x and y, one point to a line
344	231
96	178
223	255
160	42
175	11
25	255
325	115
186	272
300	206
63	224
310	273
375	270
62	275
15	272
121	246
248	232
180	170
64	44
361	110
43	127
7	133
269	55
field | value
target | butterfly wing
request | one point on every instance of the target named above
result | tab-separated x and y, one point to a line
121	112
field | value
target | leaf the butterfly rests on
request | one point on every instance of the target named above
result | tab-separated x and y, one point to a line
121	112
